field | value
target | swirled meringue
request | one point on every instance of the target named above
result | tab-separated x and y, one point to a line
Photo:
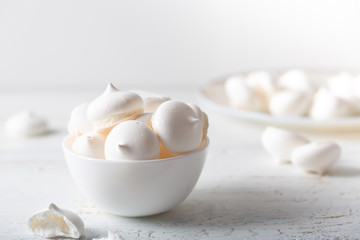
151	100
280	143
178	126
132	140
26	124
56	222
90	144
113	107
79	122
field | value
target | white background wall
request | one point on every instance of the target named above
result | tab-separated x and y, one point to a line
145	42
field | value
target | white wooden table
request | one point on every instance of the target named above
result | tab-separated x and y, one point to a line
241	193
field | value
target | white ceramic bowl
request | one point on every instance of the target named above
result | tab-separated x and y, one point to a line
135	188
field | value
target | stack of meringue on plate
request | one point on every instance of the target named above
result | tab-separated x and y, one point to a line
136	125
295	94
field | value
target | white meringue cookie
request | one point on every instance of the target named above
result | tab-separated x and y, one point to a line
328	106
56	222
280	143
242	96
113	107
290	103
111	236
132	140
25	124
203	118
262	82
79	122
178	126
90	144
151	100
145	118
316	157
295	79
342	85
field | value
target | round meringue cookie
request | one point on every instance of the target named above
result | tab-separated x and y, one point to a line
328	106
262	82
113	107
132	140
151	100
90	144
26	124
203	119
295	79
343	86
242	96
290	103
178	126
79	122
280	143
316	157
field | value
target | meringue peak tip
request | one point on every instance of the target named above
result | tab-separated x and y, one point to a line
111	87
122	145
194	120
53	206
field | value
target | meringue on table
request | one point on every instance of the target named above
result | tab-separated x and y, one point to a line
56	222
26	124
316	157
280	143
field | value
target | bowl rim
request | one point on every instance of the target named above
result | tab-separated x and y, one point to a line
147	161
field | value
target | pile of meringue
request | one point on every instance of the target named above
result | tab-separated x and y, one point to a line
136	125
310	156
295	94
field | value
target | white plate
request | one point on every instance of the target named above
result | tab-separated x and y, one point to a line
213	96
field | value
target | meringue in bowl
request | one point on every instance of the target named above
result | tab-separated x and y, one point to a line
135	188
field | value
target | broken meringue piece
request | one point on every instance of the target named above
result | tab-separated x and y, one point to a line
280	143
56	222
26	124
111	236
316	157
